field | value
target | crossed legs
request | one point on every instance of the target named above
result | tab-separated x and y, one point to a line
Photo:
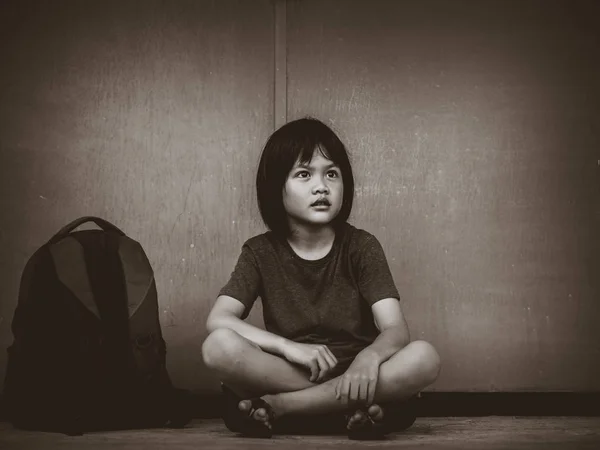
251	372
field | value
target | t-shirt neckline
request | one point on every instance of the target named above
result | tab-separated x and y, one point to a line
314	262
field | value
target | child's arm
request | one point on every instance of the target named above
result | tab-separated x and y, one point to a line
376	285
360	380
227	313
394	334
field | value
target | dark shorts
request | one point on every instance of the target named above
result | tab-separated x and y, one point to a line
340	368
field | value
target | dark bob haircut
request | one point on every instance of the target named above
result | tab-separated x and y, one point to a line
297	140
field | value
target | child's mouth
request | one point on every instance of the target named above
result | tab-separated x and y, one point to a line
322	203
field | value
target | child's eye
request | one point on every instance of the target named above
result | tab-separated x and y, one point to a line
333	174
303	174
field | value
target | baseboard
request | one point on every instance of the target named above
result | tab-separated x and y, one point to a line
456	404
442	404
464	404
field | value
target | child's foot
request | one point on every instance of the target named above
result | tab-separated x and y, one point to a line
253	417
366	423
259	410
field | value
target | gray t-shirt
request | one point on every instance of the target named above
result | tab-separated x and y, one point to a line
326	301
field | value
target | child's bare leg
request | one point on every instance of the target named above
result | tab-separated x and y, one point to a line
250	372
247	369
406	373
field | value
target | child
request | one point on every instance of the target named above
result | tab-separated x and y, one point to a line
336	342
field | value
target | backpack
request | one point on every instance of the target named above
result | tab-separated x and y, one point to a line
88	352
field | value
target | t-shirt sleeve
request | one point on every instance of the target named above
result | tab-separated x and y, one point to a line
375	279
245	280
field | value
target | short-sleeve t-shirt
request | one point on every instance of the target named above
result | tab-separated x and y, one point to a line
326	301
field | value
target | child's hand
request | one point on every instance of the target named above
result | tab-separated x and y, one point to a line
317	358
358	384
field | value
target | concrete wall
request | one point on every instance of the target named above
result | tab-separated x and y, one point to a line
474	130
150	114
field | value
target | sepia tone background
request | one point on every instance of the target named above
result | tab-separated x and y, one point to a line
473	128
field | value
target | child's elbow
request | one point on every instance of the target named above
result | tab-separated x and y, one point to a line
213	322
218	319
402	335
224	313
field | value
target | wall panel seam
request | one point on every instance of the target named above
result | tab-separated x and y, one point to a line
280	56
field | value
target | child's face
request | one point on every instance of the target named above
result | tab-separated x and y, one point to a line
313	193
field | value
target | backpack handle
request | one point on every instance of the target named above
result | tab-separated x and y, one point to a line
104	224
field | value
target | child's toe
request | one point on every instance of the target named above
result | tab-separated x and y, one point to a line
245	405
375	413
260	414
369	426
356	419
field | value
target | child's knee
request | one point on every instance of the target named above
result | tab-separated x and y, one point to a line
221	347
429	360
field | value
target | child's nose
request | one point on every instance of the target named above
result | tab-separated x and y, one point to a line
321	188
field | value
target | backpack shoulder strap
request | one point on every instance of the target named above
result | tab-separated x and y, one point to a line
137	271
69	263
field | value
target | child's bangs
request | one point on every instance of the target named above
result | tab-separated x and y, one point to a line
307	152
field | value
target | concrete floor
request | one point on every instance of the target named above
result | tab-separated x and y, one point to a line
428	432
